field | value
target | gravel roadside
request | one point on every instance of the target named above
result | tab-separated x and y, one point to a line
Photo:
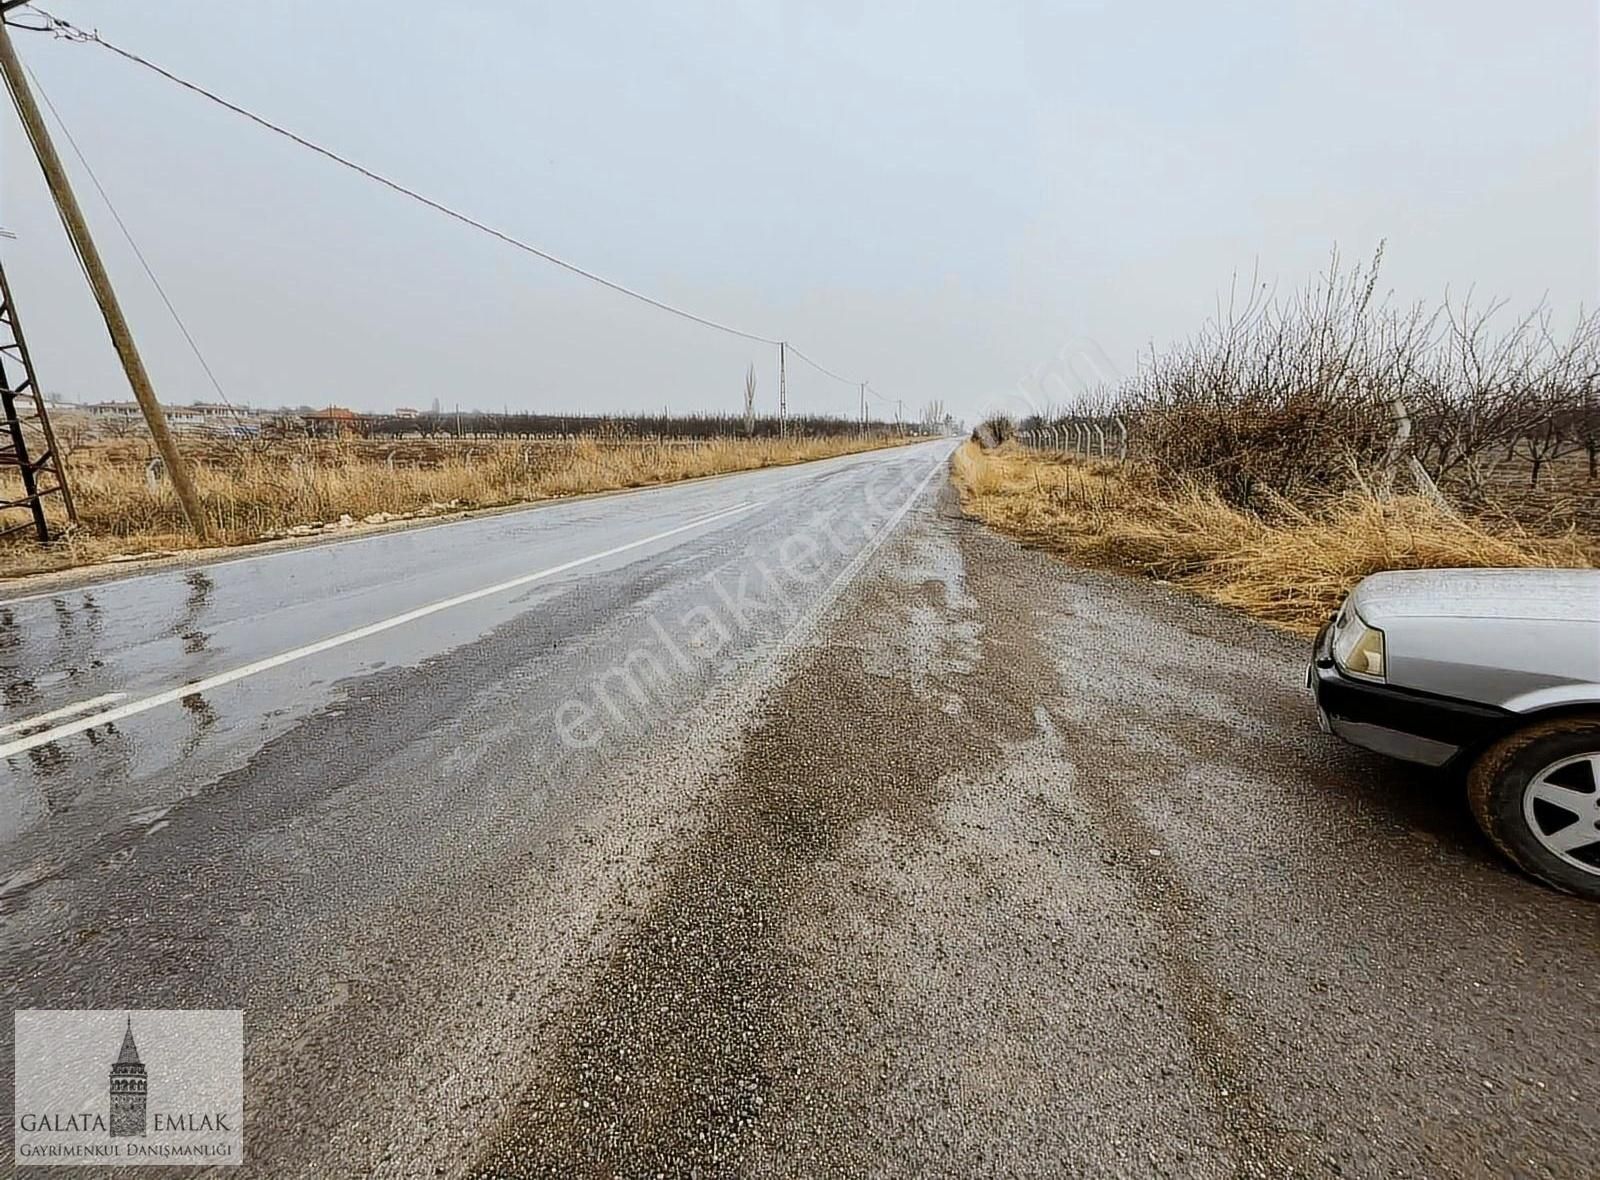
1031	870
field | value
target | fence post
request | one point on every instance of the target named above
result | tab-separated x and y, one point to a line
1122	439
1100	439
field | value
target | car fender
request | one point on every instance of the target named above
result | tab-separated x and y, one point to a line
1556	696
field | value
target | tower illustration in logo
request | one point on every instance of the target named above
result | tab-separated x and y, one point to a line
128	1088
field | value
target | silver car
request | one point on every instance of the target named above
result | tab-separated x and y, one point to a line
1493	671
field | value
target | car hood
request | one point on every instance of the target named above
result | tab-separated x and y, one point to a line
1553	594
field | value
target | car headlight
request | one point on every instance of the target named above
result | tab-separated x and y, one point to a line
1357	648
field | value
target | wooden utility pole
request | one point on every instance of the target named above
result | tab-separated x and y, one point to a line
99	282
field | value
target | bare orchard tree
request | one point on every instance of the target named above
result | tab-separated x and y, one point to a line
1492	396
1587	401
1273	397
70	435
1589	426
1543	440
1467	383
1555	385
114	427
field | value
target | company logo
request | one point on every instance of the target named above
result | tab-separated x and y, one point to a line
128	1089
131	1088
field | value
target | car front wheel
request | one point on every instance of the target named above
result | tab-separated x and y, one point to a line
1536	795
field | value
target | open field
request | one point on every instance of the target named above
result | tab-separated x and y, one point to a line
1290	563
256	491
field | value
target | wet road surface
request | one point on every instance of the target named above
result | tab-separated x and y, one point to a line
782	824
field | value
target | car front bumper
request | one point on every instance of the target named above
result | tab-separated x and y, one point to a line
1414	726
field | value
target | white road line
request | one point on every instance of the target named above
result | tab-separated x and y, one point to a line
64	711
172	695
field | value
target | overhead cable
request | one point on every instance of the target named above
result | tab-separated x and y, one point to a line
71	32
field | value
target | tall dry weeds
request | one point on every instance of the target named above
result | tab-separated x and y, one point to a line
1289	563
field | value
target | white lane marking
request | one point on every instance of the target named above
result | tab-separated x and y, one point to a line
64	711
144	704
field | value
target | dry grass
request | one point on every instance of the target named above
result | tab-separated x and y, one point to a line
1290	565
252	491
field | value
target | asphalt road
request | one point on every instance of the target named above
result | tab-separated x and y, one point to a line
781	824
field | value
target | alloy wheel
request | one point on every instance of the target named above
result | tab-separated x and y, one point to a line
1562	807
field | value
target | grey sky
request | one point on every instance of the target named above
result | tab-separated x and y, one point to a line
938	197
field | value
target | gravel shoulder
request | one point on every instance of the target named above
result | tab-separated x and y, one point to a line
1032	870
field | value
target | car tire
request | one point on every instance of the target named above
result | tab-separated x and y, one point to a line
1499	787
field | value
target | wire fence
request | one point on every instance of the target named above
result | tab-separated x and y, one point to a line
1101	438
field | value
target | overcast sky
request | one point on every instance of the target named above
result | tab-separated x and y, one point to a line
939	197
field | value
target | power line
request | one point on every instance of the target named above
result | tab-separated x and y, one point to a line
827	372
823	369
128	236
72	33
68	31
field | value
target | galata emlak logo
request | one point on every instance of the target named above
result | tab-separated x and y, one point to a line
128	1089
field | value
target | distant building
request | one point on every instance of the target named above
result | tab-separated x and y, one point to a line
335	422
407	412
114	411
200	416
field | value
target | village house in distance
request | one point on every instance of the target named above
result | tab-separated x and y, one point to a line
115	419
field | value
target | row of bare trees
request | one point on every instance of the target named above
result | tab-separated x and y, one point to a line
1524	397
1335	384
675	426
